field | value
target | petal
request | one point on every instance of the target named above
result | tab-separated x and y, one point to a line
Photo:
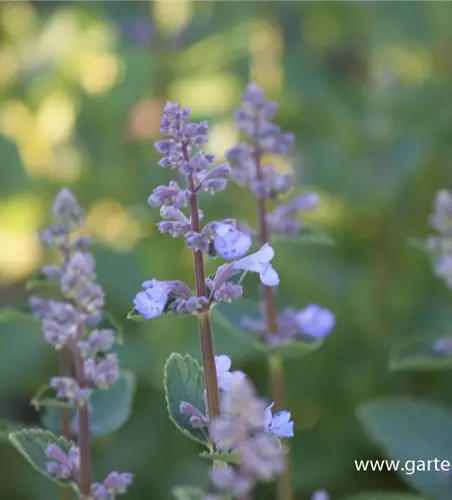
268	276
223	363
268	417
148	307
266	253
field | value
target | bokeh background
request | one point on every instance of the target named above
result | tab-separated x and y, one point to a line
367	89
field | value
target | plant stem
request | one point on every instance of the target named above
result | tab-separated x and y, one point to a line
275	363
65	359
205	328
84	437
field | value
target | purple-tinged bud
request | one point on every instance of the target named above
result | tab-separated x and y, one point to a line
81	243
58	334
68	388
52	271
91	300
169	195
78	273
197	241
197	418
66	209
98	341
315	321
443	268
231	243
228	292
118	482
55	235
39	307
102	373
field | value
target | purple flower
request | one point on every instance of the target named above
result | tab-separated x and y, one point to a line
259	262
61	465
68	388
115	484
315	321
231	243
66	209
441	219
58	334
197	419
278	424
169	195
102	374
283	218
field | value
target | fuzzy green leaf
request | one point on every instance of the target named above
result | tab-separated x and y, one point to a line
385	495
10	315
418	354
187	493
229	457
184	381
413	432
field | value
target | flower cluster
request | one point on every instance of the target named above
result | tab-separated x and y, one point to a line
67	467
441	245
254	120
278	424
227	239
79	310
72	321
311	322
247	426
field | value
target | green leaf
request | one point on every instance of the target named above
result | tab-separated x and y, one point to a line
134	315
385	495
110	408
40	281
418	354
184	381
229	316
7	427
32	444
187	493
229	457
413	432
10	315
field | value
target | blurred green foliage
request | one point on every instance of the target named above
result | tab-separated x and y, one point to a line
366	87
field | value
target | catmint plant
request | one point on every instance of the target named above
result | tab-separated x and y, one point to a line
71	325
218	415
267	185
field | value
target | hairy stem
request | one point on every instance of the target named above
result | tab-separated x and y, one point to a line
84	437
205	328
65	359
275	363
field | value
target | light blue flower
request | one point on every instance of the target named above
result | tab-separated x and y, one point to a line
152	301
230	243
278	424
315	321
259	262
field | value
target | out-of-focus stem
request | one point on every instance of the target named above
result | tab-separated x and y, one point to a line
275	363
84	437
205	328
65	359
